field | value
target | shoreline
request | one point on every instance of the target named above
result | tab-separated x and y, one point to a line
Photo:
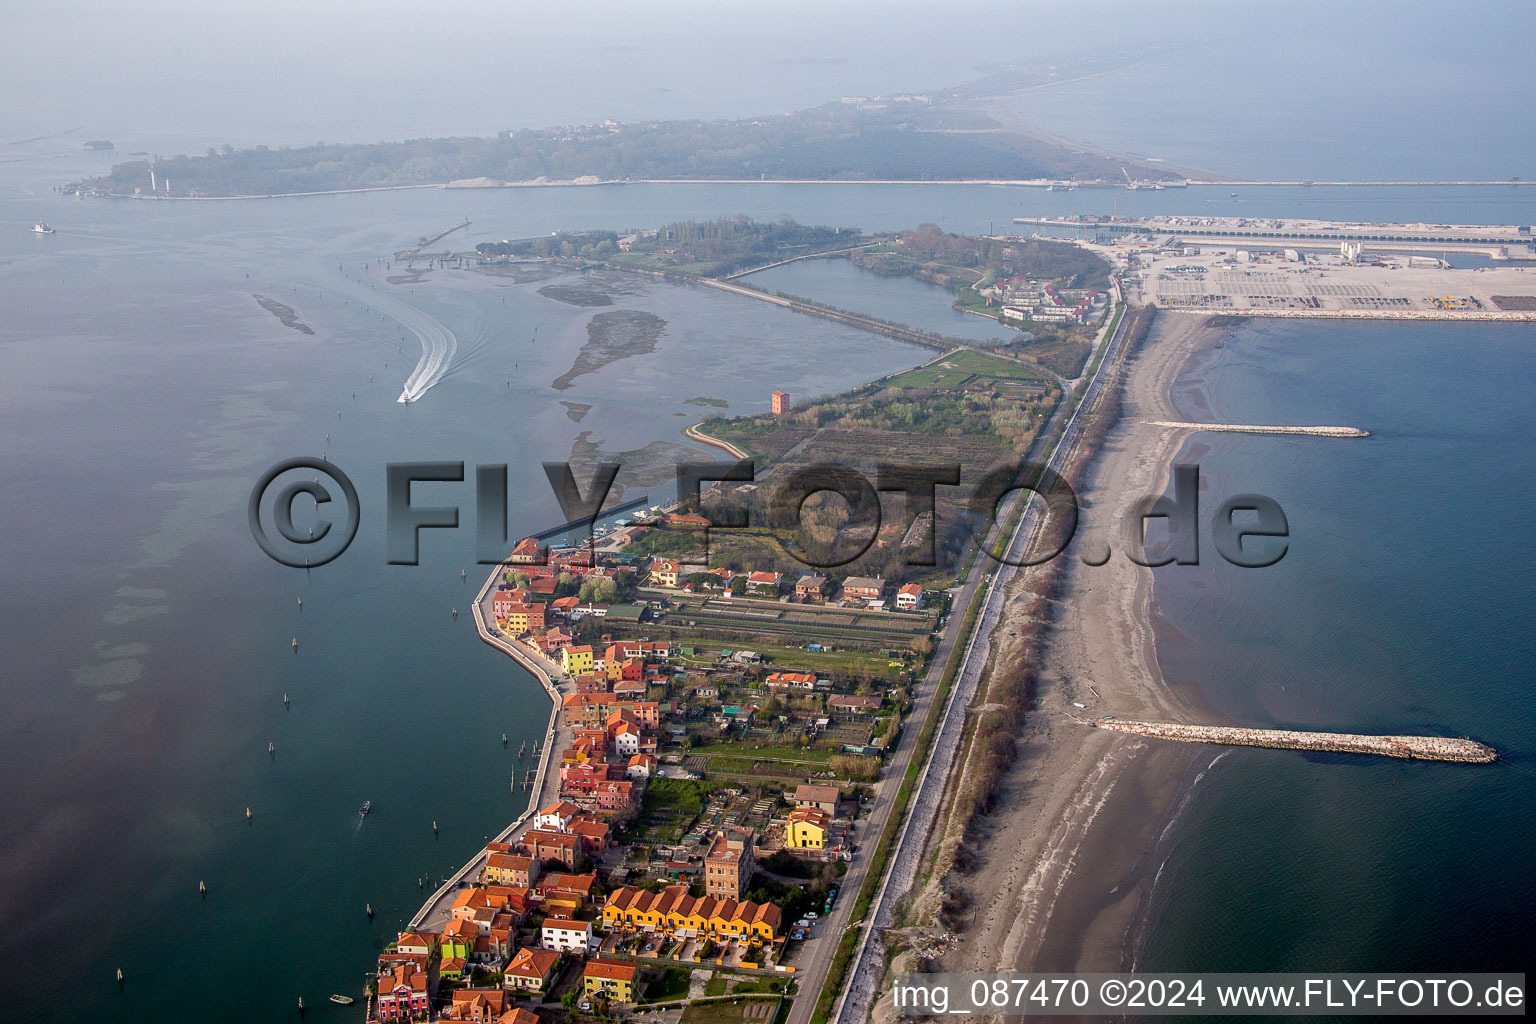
994	182
693	433
1060	894
554	734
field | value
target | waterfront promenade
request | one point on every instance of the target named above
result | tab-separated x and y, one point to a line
546	785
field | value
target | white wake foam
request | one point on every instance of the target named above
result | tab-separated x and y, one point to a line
438	346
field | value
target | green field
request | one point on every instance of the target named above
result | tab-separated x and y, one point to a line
958	368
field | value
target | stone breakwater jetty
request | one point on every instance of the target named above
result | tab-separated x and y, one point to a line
1256	428
1416	748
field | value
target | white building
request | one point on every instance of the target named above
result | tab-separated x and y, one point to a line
557	816
566	935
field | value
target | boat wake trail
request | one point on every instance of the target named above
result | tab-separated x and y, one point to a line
438	346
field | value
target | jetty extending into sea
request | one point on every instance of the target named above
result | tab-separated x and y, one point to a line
1415	748
1258	428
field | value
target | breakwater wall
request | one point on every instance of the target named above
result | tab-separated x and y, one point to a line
1418	748
1258	428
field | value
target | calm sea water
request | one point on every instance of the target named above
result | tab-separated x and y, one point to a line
837	282
1403	604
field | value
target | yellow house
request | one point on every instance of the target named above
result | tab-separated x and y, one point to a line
612	978
664	573
576	661
672	911
517	619
807	829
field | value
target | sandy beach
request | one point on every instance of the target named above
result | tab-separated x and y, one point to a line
1064	863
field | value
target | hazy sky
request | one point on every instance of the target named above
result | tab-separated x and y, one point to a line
177	76
283	71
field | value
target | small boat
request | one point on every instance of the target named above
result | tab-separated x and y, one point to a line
42	228
343	1000
247	814
367	806
202	888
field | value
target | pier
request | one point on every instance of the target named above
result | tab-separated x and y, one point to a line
582	524
1414	748
1256	428
427	240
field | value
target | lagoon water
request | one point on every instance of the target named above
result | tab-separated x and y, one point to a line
147	640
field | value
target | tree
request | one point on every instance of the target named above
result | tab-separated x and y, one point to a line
599	590
738	586
521	579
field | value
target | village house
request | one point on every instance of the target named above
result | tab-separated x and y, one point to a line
402	992
729	864
566	887
791	681
909	598
593	835
416	944
851	704
673	912
811	587
807	829
576	660
821	798
457	943
764	584
566	936
612	979
557	816
528	552
664	572
531	969
510	869
863	588
478	1004
543	845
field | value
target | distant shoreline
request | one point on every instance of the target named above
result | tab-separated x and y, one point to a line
995	182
